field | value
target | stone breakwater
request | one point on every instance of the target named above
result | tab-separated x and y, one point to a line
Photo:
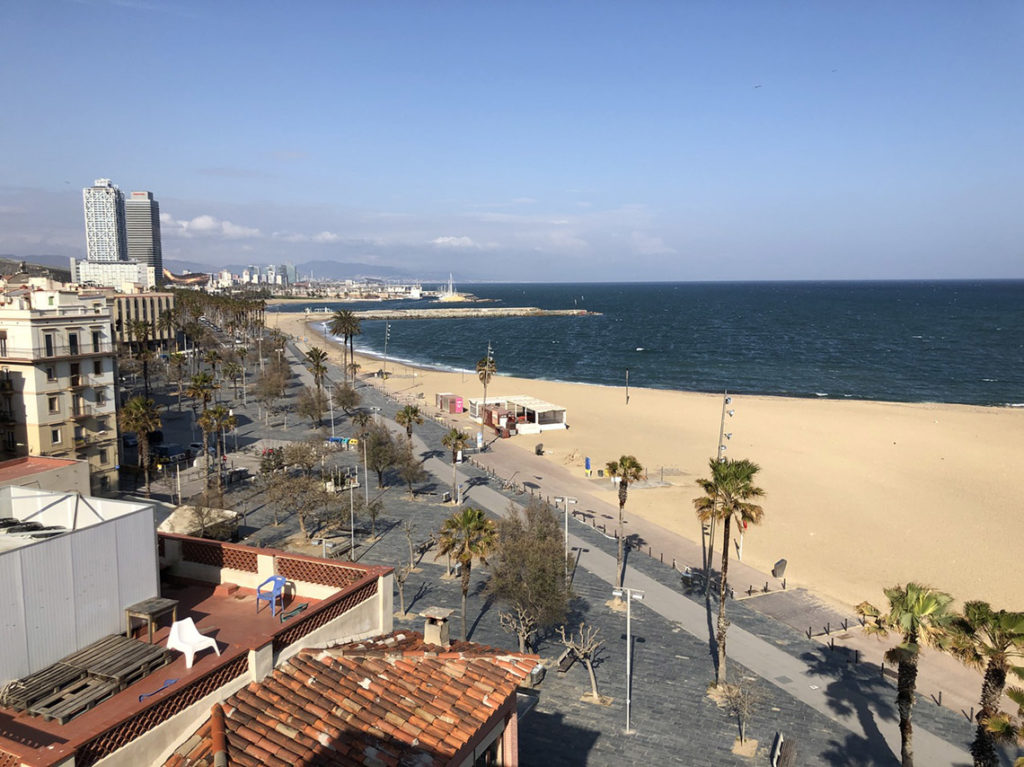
464	313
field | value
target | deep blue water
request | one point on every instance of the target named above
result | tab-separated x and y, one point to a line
900	341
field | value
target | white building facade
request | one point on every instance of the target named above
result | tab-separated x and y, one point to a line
105	233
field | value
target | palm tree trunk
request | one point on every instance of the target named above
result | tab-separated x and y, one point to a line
723	624
144	457
906	683
454	478
983	749
206	456
466	567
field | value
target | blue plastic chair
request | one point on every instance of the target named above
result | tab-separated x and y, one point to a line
275	591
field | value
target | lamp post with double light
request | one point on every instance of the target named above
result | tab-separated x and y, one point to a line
629	595
710	528
567	501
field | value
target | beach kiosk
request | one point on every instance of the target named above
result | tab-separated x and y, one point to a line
529	414
447	402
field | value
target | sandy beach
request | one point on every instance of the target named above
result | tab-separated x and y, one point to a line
858	495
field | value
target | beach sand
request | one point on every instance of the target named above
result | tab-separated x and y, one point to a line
858	495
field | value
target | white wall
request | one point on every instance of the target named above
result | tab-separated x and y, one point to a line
60	594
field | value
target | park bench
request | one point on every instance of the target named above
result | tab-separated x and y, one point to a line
566	660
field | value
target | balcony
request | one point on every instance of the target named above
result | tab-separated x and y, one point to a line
81	412
53	351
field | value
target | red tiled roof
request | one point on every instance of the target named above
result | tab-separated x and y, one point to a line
33	464
386	701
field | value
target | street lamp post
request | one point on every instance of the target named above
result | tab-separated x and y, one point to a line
559	499
719	457
330	402
630	595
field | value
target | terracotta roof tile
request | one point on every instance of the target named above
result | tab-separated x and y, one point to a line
382	701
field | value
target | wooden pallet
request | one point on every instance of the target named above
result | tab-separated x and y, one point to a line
74	699
21	695
118	659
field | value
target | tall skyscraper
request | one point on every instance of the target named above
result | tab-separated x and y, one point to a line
105	235
142	220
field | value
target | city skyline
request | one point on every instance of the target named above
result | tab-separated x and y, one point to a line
585	142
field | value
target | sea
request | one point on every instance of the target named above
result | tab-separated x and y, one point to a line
949	341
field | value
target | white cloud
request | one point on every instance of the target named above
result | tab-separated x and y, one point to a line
206	225
320	237
326	237
647	245
454	242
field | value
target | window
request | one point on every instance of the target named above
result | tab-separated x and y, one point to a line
48	343
97	367
103	456
55	436
73	343
54	403
97	341
3	343
51	373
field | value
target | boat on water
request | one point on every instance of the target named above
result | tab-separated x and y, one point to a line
448	293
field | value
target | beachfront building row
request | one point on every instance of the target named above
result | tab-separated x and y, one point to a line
58	379
92	672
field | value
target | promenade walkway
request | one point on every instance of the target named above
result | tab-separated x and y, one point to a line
864	713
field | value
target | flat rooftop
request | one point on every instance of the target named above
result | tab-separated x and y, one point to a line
16	468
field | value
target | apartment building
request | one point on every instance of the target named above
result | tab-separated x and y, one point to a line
57	379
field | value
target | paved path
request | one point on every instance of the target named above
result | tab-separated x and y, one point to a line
868	718
857	712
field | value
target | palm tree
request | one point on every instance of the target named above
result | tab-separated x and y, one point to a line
455	441
233	371
141	416
726	495
178	362
139	330
986	639
167	323
627	469
212	358
485	370
201	388
316	358
467	535
336	326
345	324
921	616
407	416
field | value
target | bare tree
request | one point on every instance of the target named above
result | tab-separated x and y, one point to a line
586	648
409	529
742	698
520	622
401	576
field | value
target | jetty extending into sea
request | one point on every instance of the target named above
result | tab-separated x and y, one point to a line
469	312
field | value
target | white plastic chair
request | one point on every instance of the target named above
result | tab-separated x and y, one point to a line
185	637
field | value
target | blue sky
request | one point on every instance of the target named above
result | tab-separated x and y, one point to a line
518	141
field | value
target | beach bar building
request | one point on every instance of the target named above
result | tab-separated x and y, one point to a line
531	415
448	403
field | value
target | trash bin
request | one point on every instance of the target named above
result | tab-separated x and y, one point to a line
539	449
779	571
